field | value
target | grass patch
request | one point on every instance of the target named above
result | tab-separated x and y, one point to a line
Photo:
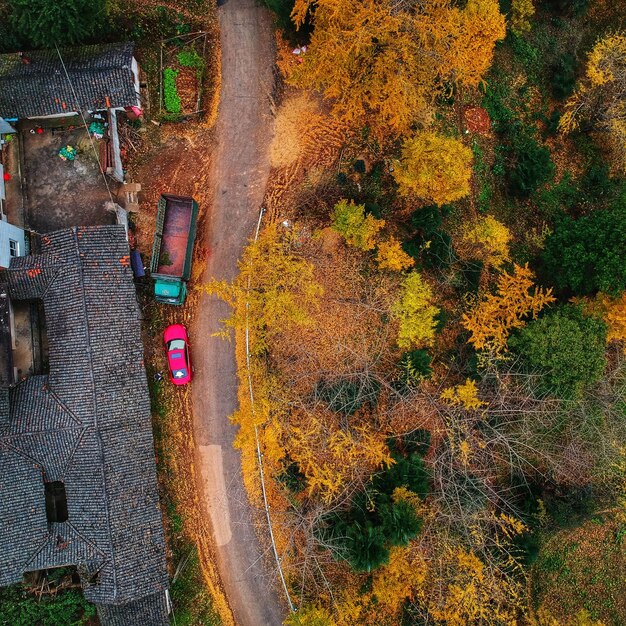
583	568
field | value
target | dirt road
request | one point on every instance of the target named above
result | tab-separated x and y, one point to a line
240	171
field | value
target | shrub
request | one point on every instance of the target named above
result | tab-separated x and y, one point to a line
567	346
359	230
586	255
531	165
282	10
348	396
563	76
415	366
170	94
67	608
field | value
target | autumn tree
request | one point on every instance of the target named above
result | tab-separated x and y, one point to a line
391	256
516	299
382	63
612	310
521	13
358	228
435	168
486	239
274	289
415	313
600	99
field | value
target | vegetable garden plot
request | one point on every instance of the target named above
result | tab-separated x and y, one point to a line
182	74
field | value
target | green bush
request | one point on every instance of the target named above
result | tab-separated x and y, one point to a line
586	255
415	366
67	608
43	23
566	7
363	534
170	94
563	76
558	198
348	396
527	54
530	166
496	95
282	10
567	346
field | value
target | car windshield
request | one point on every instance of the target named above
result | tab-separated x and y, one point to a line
177	344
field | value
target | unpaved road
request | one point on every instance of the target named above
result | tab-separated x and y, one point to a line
240	171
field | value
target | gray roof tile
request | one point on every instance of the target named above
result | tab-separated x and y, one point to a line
40	87
87	424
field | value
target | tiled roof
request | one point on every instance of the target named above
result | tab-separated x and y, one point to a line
149	611
86	424
35	83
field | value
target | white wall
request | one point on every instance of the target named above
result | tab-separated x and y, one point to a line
7	232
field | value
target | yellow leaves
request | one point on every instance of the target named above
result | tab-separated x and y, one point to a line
465	395
396	582
487	239
391	256
606	61
521	13
516	299
310	615
383	64
480	26
434	167
477	595
359	230
415	313
274	289
612	311
583	618
330	457
600	97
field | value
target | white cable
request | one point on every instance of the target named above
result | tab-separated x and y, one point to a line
79	111
256	436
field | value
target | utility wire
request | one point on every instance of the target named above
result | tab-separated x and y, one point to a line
80	112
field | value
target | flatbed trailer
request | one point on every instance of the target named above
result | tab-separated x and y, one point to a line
172	250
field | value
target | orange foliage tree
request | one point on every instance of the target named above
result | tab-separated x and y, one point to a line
383	64
515	300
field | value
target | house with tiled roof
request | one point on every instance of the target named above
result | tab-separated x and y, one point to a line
49	83
77	467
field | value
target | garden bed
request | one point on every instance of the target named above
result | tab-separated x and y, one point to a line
183	69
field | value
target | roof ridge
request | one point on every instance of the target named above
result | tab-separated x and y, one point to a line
98	434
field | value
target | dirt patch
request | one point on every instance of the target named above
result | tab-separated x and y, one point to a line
60	194
187	87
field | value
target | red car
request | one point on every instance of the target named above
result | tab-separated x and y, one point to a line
178	361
